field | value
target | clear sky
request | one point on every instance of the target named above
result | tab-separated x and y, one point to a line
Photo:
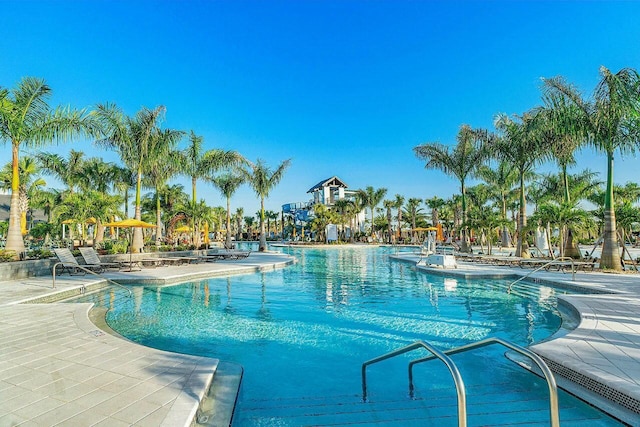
343	88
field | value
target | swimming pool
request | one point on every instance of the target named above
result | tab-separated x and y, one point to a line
302	334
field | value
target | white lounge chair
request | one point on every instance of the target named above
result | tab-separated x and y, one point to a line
91	258
70	264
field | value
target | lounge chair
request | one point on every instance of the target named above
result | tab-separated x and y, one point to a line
91	258
70	264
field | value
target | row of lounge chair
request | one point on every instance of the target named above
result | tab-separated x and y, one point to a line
545	263
93	263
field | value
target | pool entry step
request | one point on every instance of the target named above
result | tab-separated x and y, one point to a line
484	409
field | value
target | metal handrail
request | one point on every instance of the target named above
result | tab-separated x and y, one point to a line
55	266
455	374
548	375
553	261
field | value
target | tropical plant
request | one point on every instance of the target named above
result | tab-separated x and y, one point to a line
389	205
610	124
501	181
520	145
262	179
370	198
162	163
461	161
228	184
399	201
413	212
132	138
30	186
27	120
196	163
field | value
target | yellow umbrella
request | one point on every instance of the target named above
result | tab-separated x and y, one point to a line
130	223
425	229
183	229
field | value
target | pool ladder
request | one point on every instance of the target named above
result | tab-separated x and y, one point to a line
443	356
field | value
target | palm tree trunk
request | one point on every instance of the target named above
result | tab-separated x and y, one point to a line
465	245
521	250
14	236
263	237
610	258
227	243
158	220
137	242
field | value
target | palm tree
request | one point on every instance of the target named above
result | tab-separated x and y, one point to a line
239	215
198	164
521	146
26	119
399	201
370	197
228	184
30	185
344	208
161	164
460	162
262	179
609	123
389	205
70	171
413	213
501	180
132	139
124	180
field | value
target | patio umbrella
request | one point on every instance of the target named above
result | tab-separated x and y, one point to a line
183	229
130	224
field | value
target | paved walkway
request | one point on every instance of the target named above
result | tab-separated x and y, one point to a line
58	368
603	353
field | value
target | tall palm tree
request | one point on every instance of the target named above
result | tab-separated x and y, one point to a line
26	119
124	180
228	184
389	205
343	207
521	146
460	162
399	201
196	163
30	186
609	123
370	198
239	215
413	213
161	164
262	179
502	179
71	171
132	139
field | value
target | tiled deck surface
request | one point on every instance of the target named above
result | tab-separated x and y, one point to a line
58	368
605	347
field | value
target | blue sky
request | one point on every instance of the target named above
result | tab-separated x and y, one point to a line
343	88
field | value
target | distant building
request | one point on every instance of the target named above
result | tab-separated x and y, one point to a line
325	192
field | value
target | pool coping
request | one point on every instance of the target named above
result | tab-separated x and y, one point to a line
594	361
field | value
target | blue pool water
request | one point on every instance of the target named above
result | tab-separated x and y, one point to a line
304	331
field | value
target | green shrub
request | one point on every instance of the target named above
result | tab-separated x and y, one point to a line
6	256
39	254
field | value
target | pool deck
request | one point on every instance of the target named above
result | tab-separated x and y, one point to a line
603	353
58	368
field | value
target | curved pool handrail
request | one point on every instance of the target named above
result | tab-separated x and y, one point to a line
453	369
546	371
553	261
